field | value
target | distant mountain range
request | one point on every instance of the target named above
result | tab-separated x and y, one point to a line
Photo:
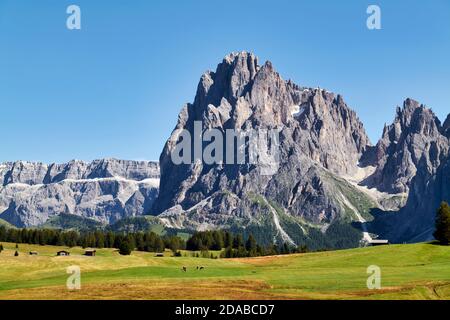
332	188
104	190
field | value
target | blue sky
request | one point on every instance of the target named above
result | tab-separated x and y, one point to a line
115	87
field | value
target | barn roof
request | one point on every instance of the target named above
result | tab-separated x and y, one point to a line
379	241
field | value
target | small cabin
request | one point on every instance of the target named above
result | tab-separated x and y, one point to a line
63	253
377	242
90	253
33	253
159	254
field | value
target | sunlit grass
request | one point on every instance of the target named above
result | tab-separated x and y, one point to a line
419	271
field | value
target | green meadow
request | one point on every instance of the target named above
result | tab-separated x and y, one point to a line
416	271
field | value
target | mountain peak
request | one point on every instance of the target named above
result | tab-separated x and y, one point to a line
415	117
234	57
409	107
317	130
414	137
230	80
411	103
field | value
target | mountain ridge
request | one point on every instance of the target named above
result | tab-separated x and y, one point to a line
105	190
312	156
323	146
332	187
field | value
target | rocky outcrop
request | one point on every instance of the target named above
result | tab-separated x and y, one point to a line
104	190
413	140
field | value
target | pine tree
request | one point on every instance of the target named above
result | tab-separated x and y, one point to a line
226	253
140	243
125	248
442	233
59	239
250	245
109	239
217	240
130	239
238	242
159	245
228	242
99	239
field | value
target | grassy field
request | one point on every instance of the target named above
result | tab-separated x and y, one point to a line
418	271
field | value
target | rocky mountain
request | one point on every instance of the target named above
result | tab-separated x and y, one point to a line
412	158
414	139
329	178
325	185
321	140
103	190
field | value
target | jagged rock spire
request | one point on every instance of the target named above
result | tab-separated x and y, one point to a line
413	139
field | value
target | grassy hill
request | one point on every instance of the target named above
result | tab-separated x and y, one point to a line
418	271
6	224
71	222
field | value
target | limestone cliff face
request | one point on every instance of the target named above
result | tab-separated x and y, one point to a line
414	139
328	171
320	139
412	157
104	190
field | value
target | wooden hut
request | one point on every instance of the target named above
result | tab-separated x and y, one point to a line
90	252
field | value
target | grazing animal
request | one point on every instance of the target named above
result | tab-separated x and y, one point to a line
184	269
201	268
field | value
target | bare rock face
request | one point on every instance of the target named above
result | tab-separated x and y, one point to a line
320	139
413	140
331	133
23	172
415	222
104	190
412	158
328	171
428	190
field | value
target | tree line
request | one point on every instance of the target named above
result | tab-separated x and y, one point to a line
148	241
231	245
235	246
